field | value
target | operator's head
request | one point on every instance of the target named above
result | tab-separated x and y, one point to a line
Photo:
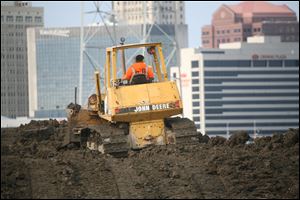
139	58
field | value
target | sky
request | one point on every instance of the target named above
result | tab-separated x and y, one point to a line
198	14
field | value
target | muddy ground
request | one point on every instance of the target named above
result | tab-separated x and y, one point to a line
34	166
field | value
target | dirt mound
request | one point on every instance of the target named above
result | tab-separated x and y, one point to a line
32	166
237	138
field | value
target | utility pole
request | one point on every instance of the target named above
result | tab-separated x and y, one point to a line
177	49
145	24
80	93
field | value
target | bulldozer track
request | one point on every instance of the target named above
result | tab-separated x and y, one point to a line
184	129
111	140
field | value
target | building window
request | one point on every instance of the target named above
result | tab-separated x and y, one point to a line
195	96
196	104
227	63
196	111
287	38
195	89
259	63
291	63
195	64
28	19
194	74
19	19
275	63
293	29
196	119
195	81
38	19
247	30
9	18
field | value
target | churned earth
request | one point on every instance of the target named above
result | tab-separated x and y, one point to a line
33	165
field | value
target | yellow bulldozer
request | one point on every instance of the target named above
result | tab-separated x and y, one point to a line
131	115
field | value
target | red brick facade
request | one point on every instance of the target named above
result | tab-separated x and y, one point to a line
237	22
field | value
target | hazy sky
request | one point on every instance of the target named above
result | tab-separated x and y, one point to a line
198	13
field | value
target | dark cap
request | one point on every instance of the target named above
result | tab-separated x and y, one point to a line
139	58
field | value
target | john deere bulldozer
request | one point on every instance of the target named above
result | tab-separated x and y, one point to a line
131	114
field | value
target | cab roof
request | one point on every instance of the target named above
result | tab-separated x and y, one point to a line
132	46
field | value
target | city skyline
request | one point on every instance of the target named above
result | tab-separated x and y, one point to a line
197	14
72	20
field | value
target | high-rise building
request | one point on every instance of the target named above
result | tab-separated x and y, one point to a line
171	13
252	86
54	61
234	23
150	12
16	17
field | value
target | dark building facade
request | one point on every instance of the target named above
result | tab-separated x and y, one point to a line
16	17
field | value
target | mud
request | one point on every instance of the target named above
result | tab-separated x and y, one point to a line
34	166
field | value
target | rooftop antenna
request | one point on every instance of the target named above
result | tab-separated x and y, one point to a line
122	41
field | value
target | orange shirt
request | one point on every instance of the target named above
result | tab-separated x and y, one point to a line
139	68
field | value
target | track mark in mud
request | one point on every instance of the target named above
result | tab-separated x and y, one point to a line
43	182
126	179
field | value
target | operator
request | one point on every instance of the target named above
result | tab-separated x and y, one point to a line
139	67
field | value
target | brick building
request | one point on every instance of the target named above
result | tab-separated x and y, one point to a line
234	23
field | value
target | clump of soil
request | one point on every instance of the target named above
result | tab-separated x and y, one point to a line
33	166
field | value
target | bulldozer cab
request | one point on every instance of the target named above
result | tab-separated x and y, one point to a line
113	75
123	101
